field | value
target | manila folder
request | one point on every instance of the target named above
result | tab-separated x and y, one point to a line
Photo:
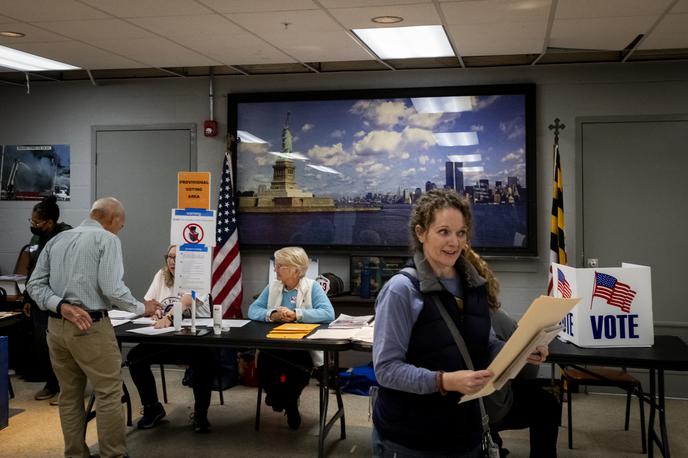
538	326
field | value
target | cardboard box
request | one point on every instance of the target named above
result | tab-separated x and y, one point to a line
616	305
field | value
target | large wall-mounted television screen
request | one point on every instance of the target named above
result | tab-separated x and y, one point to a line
340	170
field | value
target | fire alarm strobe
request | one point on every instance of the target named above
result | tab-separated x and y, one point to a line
210	128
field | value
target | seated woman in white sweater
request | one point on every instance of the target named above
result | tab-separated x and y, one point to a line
283	374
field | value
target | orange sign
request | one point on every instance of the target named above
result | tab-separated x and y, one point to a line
193	190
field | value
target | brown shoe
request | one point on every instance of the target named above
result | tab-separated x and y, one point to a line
55	401
44	394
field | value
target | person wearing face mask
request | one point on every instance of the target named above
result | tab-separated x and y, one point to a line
418	364
44	226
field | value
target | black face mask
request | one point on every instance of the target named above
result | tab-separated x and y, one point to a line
36	231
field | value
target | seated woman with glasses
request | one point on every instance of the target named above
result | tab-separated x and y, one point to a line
283	374
201	359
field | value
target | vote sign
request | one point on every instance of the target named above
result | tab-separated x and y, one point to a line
616	305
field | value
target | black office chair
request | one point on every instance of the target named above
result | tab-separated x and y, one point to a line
602	376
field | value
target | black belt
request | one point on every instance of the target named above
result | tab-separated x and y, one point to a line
95	316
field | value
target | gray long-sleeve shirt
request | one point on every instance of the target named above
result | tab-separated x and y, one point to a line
82	266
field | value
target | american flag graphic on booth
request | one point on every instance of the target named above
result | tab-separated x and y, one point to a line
563	285
616	293
226	272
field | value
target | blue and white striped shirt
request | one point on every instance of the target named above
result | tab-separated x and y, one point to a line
82	266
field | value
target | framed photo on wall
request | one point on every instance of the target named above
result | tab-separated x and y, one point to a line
340	170
380	269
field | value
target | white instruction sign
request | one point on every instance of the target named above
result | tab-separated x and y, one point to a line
192	272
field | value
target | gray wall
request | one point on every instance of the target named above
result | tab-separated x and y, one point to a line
65	112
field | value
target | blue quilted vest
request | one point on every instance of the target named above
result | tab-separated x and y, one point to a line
433	422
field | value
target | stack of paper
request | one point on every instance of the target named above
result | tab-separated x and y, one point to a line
291	331
347	321
364	334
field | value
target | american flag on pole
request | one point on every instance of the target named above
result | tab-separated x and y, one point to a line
563	285
557	243
226	272
613	291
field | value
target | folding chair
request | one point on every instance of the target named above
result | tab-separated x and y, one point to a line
602	376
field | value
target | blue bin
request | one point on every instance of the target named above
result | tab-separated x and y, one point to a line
4	383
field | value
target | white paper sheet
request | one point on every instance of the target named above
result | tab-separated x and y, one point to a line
116	323
208	323
151	331
143	320
121	315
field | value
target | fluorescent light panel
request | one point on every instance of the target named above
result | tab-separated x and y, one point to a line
248	137
456	138
25	62
407	42
451	104
465	157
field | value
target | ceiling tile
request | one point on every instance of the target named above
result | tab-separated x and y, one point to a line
48	10
146	8
307	21
33	35
251	52
359	3
360	18
671	33
501	39
156	52
97	29
252	6
680	7
320	46
80	54
603	33
495	11
213	25
572	9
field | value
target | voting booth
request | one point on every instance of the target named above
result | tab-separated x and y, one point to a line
615	308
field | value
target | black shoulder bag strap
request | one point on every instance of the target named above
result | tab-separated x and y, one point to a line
490	449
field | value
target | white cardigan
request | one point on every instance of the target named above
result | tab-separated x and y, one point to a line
303	301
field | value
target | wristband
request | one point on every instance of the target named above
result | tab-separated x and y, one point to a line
440	384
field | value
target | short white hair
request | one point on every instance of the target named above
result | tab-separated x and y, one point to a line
107	206
293	256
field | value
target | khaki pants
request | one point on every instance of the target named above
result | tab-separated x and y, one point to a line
94	355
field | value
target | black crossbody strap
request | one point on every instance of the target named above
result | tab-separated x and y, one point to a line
464	354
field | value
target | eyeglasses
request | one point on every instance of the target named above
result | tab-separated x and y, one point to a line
36	224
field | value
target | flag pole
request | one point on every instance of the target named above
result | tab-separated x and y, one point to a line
557	242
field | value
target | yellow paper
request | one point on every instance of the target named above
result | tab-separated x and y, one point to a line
291	331
294	327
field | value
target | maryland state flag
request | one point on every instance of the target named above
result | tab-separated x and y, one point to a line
557	245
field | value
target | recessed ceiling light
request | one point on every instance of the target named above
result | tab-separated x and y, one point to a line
10	34
387	19
407	42
25	62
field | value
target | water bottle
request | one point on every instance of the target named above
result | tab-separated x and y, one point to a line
217	319
365	281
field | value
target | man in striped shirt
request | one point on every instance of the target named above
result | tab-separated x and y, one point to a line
77	279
